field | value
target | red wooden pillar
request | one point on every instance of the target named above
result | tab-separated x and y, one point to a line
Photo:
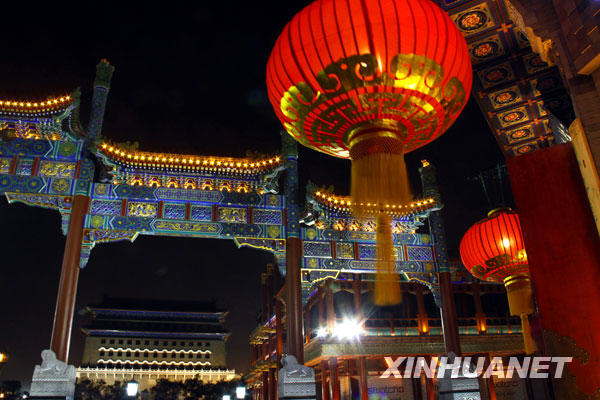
278	332
272	386
307	330
295	345
479	314
264	278
422	313
270	288
331	318
264	389
448	313
563	250
357	296
334	379
429	382
321	310
69	276
363	378
325	391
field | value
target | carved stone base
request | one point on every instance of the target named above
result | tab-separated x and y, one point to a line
459	387
296	381
53	379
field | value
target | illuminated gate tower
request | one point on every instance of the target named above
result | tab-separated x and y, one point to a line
48	159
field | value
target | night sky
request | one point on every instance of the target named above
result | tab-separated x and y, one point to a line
191	80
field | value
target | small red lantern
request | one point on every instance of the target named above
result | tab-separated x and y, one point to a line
493	250
370	80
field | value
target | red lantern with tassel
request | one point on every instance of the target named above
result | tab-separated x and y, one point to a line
493	250
370	80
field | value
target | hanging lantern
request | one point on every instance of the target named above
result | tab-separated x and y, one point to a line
493	251
370	80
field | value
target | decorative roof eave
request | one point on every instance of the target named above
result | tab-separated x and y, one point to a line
29	108
342	205
153	334
107	310
187	163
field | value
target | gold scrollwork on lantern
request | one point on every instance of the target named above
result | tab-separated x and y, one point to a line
416	101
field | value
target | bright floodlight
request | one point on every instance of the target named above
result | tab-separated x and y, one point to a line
226	397
240	392
322	332
132	388
349	329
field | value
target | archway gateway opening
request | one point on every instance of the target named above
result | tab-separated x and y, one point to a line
109	192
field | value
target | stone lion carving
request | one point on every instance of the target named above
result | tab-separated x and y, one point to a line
52	366
53	378
294	370
296	380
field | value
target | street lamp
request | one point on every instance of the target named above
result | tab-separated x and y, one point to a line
240	392
132	388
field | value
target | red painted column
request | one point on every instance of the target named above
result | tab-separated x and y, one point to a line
362	378
272	386
295	345
264	389
334	379
278	332
422	312
69	275
563	249
448	314
325	391
479	314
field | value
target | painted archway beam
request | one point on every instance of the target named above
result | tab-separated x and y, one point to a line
517	91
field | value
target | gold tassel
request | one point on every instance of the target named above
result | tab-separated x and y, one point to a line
520	302
387	283
380	180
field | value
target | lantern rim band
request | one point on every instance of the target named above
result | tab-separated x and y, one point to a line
499	210
518	279
383	128
376	133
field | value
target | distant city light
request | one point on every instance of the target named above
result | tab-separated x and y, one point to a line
132	388
349	329
240	392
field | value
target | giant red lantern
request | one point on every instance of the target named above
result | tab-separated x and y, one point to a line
370	80
493	250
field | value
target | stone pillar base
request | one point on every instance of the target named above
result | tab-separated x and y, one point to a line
53	379
458	387
296	381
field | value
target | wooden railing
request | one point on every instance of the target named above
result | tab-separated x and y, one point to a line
433	326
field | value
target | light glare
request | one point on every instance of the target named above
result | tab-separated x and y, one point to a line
349	329
240	392
132	388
